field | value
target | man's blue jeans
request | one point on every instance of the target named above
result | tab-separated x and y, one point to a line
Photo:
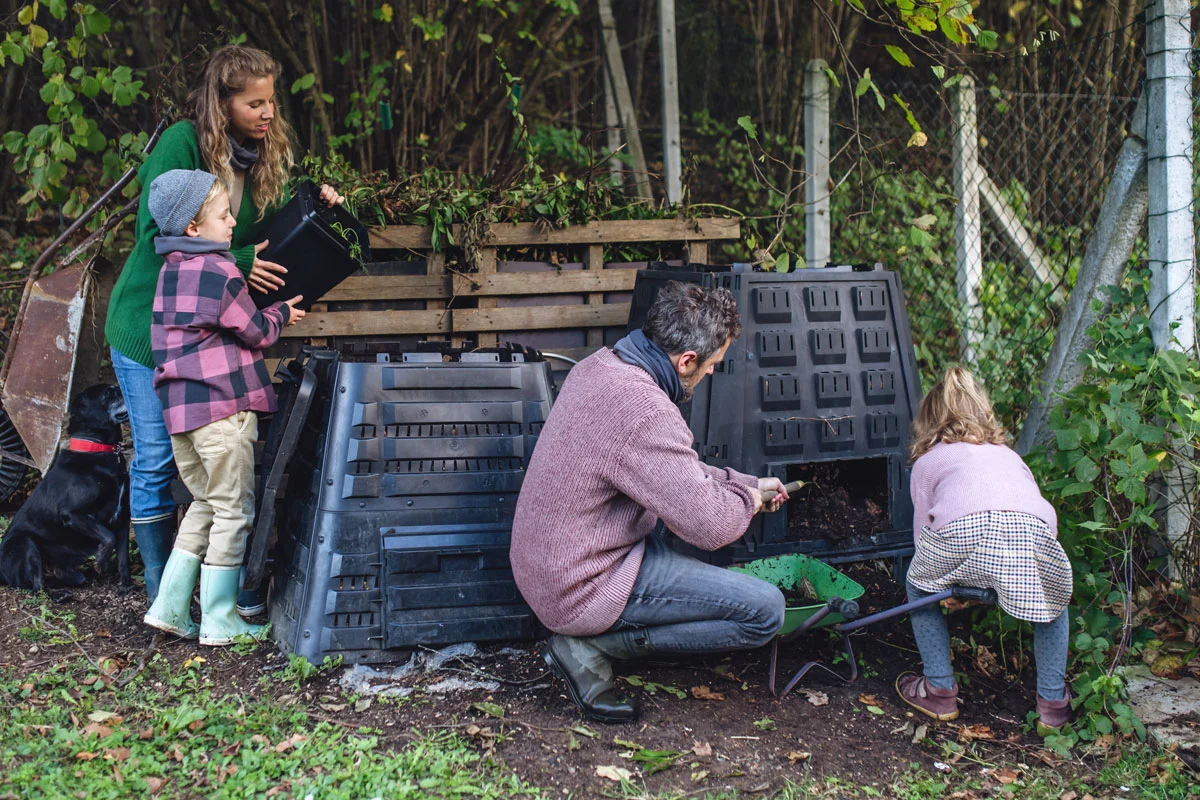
687	606
153	461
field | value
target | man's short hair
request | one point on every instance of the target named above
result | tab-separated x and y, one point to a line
686	316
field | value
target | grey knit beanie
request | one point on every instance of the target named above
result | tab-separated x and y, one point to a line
176	197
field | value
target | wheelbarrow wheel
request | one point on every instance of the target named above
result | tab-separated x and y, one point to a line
11	472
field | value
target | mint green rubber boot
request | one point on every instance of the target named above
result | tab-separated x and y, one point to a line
172	608
219	621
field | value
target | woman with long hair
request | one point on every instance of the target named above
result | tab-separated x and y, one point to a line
235	132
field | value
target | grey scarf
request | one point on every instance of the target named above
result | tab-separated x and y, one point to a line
242	157
192	245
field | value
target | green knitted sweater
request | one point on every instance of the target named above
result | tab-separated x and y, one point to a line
129	310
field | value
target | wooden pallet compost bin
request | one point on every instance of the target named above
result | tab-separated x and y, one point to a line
479	295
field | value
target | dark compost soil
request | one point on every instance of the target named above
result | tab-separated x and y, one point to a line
737	736
842	500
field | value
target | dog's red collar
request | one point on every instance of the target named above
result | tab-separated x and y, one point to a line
88	446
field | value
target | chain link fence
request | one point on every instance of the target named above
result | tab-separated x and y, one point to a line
1026	146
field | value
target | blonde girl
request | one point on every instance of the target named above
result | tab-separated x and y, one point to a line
980	521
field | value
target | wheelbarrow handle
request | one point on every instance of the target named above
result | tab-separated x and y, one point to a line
986	596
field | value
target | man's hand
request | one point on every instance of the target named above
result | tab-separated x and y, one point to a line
771	485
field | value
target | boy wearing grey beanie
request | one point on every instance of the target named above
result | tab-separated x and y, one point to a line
207	339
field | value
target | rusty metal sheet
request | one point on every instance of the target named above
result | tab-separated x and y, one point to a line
57	354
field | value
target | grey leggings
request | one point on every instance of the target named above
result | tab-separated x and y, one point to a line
933	640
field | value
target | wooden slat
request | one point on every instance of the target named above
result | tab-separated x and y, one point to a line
389	287
436	266
435	287
369	323
486	267
593	262
556	282
413	237
467	320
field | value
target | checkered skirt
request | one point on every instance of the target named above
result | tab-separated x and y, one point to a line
1016	554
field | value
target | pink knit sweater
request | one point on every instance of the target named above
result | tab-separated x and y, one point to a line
614	457
954	480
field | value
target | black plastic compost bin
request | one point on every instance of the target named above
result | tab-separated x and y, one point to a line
401	491
821	386
320	245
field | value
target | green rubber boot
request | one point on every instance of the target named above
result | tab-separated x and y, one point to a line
172	608
219	621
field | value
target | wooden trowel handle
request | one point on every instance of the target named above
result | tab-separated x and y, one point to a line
794	486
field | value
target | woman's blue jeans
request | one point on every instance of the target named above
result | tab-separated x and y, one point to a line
153	467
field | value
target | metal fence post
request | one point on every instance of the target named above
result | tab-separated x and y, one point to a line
968	237
672	154
816	162
1169	170
1172	235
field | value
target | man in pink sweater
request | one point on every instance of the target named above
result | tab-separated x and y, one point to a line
614	458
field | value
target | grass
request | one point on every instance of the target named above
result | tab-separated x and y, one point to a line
63	733
1139	772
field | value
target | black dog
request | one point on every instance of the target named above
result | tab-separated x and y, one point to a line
81	507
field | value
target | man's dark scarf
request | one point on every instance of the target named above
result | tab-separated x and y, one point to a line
638	350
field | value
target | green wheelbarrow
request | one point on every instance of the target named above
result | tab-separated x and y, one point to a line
836	595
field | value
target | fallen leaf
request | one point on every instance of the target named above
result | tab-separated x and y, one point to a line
615	774
258	738
572	743
584	730
194	660
101	716
86	756
176	754
705	693
363	705
117	776
155	784
699	775
702	749
868	700
1006	776
941	766
89	680
100	730
490	709
103	633
195	725
233	749
1071	795
875	709
919	736
117	753
332	707
817	698
146	733
969	733
798	755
